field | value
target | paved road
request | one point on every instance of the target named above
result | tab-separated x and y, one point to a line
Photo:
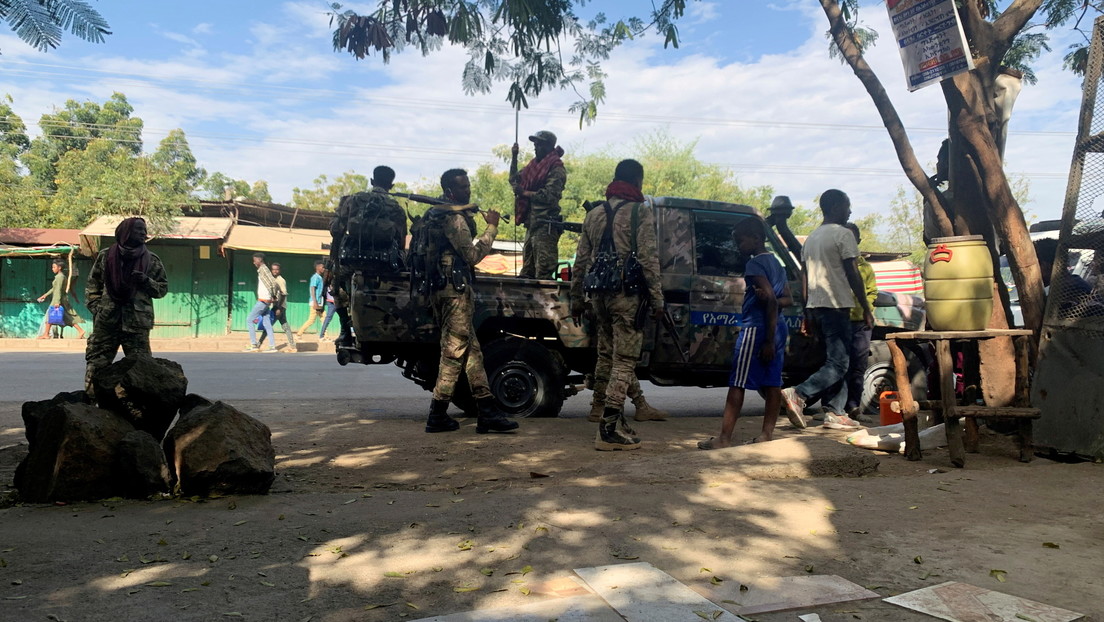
301	378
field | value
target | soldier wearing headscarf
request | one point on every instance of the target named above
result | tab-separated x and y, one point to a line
125	279
537	190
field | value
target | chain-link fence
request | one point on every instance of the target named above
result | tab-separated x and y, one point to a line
1076	295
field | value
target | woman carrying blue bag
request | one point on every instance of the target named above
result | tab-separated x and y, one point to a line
60	313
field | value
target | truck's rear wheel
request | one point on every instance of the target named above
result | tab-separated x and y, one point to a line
525	378
880	376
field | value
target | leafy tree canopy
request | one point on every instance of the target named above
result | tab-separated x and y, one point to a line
220	187
530	45
41	23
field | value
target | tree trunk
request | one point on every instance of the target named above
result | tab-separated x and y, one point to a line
892	121
967	102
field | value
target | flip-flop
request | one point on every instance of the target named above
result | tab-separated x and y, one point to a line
752	441
707	445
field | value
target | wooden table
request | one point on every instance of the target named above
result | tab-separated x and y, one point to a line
948	402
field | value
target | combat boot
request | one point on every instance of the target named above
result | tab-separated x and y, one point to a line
438	420
610	437
647	412
597	406
491	419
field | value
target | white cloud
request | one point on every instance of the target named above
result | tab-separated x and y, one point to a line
203	28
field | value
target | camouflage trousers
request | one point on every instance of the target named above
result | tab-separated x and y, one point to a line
460	351
540	255
600	382
614	316
104	344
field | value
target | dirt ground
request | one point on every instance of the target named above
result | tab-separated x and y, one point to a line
372	519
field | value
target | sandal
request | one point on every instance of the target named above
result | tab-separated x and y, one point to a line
707	444
751	441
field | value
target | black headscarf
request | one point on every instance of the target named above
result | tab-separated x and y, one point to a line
122	260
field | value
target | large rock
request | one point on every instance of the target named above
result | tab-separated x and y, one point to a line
143	470
216	448
146	391
33	412
74	455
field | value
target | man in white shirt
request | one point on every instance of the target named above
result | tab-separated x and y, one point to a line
832	285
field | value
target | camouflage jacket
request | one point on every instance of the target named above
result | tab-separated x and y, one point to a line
545	203
458	229
133	316
646	252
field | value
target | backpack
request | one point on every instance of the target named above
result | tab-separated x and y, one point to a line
372	239
426	237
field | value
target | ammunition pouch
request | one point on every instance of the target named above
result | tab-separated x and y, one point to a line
604	275
633	276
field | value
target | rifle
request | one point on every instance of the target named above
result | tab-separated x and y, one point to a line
666	321
574	227
439	203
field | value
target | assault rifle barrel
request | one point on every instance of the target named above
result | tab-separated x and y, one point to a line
428	200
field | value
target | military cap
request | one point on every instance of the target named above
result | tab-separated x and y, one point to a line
544	136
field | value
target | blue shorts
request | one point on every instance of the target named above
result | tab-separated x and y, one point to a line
748	371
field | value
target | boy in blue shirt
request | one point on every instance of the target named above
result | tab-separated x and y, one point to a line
761	344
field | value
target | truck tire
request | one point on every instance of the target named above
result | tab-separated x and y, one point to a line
525	377
880	376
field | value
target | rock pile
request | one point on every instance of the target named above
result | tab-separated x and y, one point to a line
125	443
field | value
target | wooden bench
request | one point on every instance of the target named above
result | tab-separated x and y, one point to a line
948	402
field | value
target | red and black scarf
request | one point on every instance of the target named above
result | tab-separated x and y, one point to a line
532	177
624	190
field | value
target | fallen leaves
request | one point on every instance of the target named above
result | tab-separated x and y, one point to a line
709	615
466	545
1051	545
999	575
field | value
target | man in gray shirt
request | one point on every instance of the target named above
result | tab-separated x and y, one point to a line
832	286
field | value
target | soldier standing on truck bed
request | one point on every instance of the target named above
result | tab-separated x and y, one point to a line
447	246
358	220
618	266
537	190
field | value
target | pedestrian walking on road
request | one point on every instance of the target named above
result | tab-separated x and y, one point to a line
266	293
832	285
317	300
59	298
125	279
278	312
758	355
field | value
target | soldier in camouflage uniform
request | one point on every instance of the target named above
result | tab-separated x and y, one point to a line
124	280
383	179
644	410
538	188
453	305
615	312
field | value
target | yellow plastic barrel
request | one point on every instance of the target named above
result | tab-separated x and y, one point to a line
958	283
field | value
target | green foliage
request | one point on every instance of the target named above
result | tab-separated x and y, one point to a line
88	162
41	23
531	45
325	194
219	187
73	127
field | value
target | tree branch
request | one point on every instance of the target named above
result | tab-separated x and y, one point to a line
1013	20
892	121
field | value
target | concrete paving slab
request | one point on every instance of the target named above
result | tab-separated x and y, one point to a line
785	593
589	608
962	602
641	592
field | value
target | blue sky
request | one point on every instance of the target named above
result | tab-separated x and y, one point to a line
261	95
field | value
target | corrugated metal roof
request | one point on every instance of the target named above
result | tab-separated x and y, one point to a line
38	237
186	228
279	240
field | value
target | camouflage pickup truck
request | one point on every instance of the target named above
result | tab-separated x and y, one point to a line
536	356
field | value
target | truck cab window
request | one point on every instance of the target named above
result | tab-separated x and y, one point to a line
716	253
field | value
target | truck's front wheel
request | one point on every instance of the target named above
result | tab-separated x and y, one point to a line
525	377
